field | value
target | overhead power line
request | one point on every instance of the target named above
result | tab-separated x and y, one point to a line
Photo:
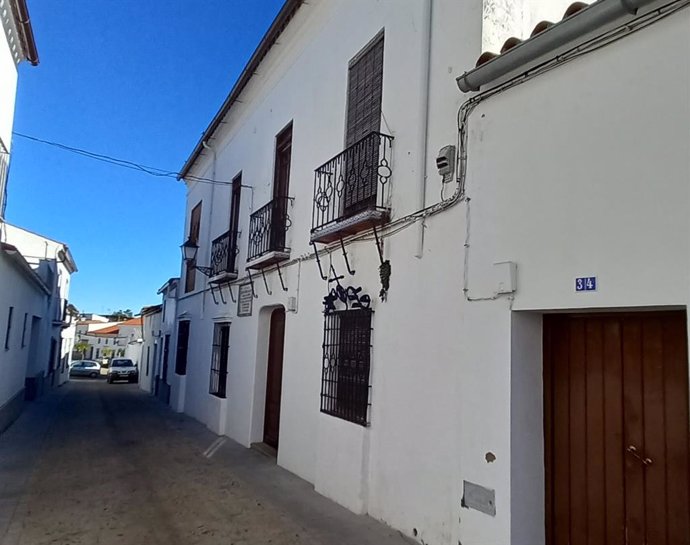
122	163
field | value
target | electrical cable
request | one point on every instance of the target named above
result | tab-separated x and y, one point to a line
123	163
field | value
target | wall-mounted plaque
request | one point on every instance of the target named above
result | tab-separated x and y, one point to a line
245	299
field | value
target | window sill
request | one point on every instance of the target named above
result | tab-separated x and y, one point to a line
344	227
223	277
268	259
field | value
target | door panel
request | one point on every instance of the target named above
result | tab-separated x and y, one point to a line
274	378
677	453
613	437
616	429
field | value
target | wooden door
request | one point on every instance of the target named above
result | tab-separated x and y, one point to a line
616	429
281	189
274	378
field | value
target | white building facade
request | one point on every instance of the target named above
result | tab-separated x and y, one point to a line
151	345
55	265
415	370
107	340
165	384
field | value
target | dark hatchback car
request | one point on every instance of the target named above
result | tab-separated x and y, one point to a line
85	368
122	369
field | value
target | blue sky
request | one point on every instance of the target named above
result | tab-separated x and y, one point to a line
135	80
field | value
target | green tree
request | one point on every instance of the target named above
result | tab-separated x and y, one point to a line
121	315
81	347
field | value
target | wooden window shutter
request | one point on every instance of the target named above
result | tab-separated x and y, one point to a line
365	91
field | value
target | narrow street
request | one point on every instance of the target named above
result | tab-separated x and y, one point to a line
107	464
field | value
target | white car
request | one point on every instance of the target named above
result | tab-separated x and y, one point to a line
122	369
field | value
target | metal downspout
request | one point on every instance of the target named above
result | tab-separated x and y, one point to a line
210	213
424	116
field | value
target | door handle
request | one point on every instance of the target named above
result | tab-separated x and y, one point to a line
645	461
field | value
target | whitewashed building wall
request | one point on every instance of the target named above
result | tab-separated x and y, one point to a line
554	189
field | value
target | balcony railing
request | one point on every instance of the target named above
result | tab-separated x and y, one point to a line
224	252
267	232
351	191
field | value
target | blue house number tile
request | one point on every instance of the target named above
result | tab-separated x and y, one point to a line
586	283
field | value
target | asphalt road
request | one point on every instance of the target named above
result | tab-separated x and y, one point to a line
106	464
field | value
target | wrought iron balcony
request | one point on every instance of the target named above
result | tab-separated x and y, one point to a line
351	191
224	252
267	233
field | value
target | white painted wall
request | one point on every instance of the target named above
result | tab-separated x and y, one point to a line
8	91
565	187
150	348
562	187
374	470
17	291
43	254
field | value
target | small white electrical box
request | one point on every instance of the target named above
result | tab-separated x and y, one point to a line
292	304
505	276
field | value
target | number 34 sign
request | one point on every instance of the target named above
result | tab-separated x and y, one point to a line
586	283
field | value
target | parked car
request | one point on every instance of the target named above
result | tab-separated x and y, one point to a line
85	368
122	369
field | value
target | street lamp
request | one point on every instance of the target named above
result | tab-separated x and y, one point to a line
189	250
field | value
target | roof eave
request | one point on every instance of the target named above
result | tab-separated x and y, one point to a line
558	35
279	23
21	16
23	266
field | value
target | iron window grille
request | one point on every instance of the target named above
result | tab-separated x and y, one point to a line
268	227
219	360
345	375
224	252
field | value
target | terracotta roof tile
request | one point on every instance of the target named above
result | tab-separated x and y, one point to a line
511	42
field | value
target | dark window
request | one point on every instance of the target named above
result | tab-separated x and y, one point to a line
166	351
9	328
219	361
194	229
281	188
346	363
365	92
235	204
148	359
364	97
182	346
26	318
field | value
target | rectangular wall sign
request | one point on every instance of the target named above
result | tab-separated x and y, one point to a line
586	283
245	299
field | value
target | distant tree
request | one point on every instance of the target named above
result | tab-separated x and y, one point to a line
121	315
81	347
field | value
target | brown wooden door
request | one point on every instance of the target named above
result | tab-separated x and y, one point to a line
616	429
274	378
